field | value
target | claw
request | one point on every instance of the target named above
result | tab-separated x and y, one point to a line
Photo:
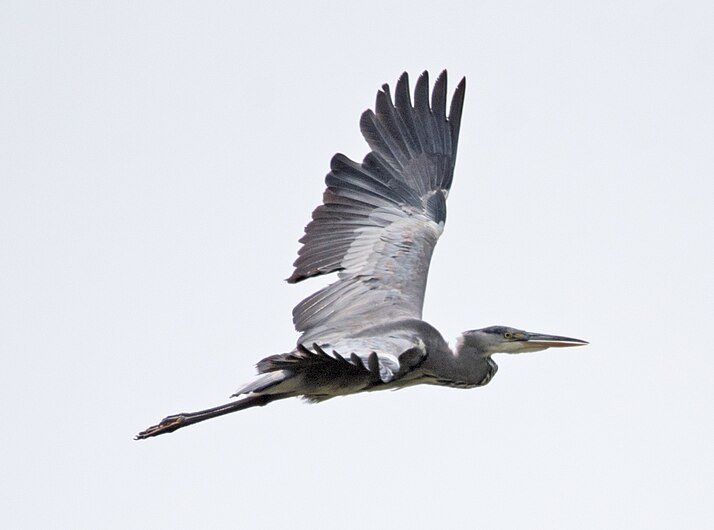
168	424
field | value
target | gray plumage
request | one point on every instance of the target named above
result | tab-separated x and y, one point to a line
377	228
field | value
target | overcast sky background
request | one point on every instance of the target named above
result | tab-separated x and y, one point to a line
158	162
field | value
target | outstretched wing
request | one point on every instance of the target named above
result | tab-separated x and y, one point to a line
380	220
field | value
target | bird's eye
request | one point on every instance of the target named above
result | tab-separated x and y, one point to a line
508	335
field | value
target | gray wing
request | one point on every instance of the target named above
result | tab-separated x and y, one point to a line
380	220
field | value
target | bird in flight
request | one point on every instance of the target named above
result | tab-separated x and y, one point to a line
377	228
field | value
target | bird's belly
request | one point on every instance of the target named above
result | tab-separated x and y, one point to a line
314	387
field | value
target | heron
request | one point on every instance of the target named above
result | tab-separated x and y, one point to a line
376	228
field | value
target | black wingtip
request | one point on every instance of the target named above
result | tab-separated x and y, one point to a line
457	101
455	110
438	95
421	94
295	278
403	98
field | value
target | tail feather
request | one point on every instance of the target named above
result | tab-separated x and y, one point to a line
262	382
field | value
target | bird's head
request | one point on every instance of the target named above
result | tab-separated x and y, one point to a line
502	339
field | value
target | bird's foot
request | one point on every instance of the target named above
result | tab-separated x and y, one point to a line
168	424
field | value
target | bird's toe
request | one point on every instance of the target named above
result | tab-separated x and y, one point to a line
168	424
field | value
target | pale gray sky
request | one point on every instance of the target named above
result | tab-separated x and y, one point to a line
158	162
